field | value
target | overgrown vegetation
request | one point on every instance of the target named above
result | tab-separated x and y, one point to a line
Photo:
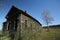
53	34
4	36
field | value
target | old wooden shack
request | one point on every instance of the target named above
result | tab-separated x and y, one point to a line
21	25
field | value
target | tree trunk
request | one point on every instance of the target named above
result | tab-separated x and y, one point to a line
47	28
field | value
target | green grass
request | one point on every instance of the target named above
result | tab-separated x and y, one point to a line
53	34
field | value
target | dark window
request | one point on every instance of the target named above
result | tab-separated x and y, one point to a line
16	23
25	23
31	25
9	25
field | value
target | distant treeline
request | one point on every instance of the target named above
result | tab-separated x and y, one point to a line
52	26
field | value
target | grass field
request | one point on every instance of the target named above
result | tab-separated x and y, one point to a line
53	34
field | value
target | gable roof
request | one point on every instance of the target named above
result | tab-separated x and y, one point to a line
14	9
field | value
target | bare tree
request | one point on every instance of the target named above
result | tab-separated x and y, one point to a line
47	18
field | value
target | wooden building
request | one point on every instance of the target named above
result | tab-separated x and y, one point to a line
22	26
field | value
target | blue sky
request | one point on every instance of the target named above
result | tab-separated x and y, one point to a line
33	7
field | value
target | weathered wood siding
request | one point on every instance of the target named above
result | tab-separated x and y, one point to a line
30	29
